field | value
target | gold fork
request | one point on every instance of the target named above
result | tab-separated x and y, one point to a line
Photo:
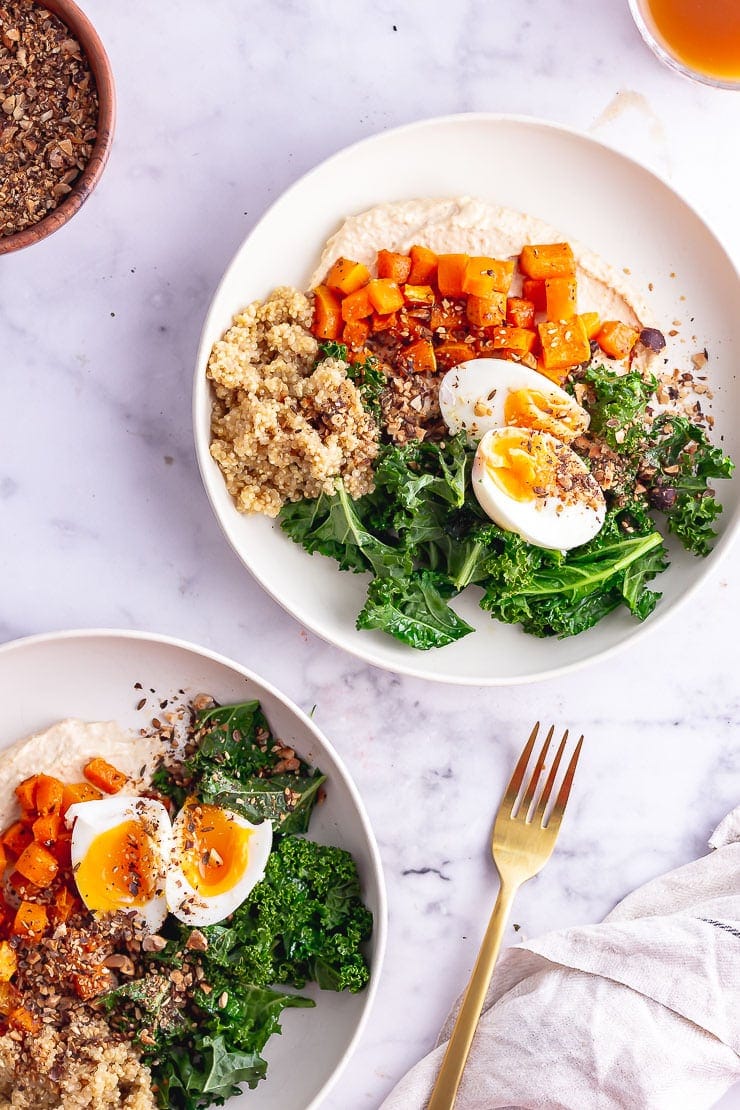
524	836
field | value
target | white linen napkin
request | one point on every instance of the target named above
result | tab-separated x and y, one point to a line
641	1012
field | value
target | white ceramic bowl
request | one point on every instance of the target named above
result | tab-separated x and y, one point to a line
91	675
591	193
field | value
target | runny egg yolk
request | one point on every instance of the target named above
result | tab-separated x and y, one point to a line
215	850
529	408
521	464
119	869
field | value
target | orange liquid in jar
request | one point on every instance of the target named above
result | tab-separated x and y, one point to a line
703	34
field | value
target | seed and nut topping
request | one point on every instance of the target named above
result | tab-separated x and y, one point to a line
48	113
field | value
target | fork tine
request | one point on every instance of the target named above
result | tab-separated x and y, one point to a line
564	793
550	781
539	767
512	790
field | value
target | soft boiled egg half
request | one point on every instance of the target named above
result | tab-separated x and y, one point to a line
218	858
128	856
531	483
120	856
487	393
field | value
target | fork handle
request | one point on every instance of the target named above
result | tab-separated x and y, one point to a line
455	1058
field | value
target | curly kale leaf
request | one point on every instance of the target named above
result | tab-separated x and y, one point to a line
414	610
565	595
304	921
370	380
680	462
618	411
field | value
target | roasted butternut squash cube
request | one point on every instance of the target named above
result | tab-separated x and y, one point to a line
385	295
616	339
104	776
452	354
355	334
8	962
450	274
419	357
357	305
486	312
395	266
347	276
423	266
520	312
327	313
564	343
520	340
484	276
591	322
534	291
547	260
418	294
560	298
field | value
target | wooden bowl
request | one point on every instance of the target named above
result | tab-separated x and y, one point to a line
88	38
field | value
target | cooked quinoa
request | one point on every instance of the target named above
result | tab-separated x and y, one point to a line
283	428
78	1066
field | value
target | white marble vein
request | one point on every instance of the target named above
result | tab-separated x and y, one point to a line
104	521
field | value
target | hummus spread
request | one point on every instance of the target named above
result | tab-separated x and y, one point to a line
65	748
472	226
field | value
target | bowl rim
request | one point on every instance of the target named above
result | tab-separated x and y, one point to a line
202	395
82	28
380	919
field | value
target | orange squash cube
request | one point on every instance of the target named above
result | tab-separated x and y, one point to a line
591	322
486	312
564	343
10	997
30	921
484	276
560	298
423	266
419	357
347	276
520	312
534	291
8	962
520	340
22	1019
17	837
75	792
46	829
49	794
357	305
385	295
63	905
418	294
616	339
397	267
547	260
37	864
451	273
385	322
104	775
447	316
25	792
355	334
327	313
452	354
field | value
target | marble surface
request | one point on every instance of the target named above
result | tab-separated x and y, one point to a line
105	523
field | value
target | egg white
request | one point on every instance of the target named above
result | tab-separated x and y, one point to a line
88	820
192	906
557	522
485	383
